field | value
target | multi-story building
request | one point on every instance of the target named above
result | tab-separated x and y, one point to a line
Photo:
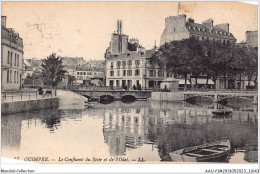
11	58
127	63
86	73
178	28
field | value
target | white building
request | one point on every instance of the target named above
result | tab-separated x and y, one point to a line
11	58
127	64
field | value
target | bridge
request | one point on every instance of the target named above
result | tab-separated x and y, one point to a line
218	96
112	95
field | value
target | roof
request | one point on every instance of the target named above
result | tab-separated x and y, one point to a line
132	55
28	68
193	28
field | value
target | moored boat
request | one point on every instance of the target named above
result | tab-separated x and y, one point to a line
210	152
222	112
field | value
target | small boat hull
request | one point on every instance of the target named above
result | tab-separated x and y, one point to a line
212	152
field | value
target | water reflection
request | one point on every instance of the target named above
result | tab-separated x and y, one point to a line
150	130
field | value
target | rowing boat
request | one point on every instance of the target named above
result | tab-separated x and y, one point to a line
210	152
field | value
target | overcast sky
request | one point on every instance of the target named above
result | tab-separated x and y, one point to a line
83	29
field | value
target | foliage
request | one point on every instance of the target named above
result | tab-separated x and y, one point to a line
211	59
52	70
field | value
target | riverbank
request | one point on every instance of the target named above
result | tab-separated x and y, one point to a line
29	105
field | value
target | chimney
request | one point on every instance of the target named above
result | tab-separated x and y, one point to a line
223	27
3	21
191	20
208	23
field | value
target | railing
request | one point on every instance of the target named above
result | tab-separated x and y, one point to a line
26	95
181	89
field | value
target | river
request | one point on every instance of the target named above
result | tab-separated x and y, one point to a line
144	131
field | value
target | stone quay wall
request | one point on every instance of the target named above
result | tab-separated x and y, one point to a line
29	105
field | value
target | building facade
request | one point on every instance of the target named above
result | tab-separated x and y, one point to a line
87	73
127	64
178	28
11	58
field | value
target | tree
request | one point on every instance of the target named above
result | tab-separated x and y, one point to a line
52	70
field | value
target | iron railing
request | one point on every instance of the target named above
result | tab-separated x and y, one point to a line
27	95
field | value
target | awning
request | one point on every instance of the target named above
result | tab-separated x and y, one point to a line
202	81
182	82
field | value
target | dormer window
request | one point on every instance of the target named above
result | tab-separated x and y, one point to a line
189	28
199	29
194	28
220	32
203	29
217	32
229	34
210	31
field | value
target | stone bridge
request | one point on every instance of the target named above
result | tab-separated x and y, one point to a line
218	95
114	94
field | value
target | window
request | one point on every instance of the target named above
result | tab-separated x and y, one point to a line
77	73
10	80
118	73
198	37
112	65
129	62
7	76
129	72
17	59
112	73
15	76
80	73
173	29
137	72
11	57
124	64
152	73
202	38
213	39
118	64
124	72
8	58
137	62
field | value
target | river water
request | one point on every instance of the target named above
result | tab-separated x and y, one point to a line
144	131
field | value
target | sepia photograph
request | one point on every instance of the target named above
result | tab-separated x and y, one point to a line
129	82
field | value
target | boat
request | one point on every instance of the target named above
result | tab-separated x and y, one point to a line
222	112
210	152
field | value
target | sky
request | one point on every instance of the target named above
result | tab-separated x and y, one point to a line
83	29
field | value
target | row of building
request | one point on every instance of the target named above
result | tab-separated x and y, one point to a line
76	67
127	62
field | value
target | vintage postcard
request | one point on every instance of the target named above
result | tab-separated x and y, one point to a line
172	82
